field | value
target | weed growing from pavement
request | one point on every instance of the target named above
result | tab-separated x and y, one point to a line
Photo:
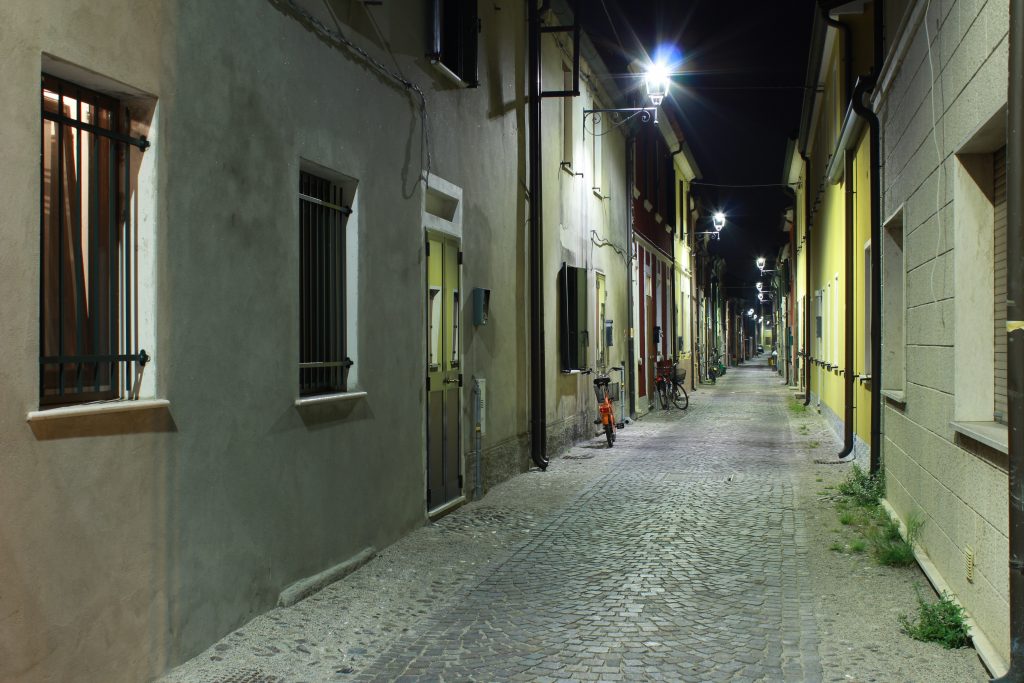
797	408
858	501
888	545
814	444
864	488
939	622
837	547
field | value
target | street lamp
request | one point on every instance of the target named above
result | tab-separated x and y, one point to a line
759	285
761	263
657	81
717	222
750	312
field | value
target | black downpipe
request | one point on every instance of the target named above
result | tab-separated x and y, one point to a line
1015	336
807	278
630	338
538	390
864	86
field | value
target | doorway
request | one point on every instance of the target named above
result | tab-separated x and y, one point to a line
444	369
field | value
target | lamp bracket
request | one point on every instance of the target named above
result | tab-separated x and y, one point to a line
621	115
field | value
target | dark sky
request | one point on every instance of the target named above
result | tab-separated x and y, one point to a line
737	93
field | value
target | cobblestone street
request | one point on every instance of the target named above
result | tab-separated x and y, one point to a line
679	555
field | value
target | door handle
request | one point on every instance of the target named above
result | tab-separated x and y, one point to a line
452	380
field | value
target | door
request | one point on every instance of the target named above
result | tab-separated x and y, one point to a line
444	372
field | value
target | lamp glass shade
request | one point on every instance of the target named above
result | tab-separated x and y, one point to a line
718	221
761	262
657	81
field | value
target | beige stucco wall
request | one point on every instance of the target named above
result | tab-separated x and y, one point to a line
957	486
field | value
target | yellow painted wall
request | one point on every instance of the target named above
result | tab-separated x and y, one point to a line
828	247
862	237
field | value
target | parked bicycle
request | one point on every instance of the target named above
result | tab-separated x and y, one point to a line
607	392
669	384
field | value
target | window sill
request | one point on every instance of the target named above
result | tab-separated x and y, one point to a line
329	398
895	396
97	409
992	434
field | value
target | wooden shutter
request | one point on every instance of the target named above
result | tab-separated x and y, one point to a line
999	267
572	313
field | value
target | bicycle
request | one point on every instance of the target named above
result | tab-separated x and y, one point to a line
605	395
670	387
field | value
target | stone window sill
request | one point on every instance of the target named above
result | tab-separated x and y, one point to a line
329	398
992	434
101	408
895	396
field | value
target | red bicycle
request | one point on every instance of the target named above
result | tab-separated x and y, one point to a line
607	391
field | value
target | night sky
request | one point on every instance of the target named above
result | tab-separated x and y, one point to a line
737	93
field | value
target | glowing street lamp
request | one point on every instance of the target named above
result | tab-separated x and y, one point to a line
759	285
657	82
760	296
750	312
718	221
761	262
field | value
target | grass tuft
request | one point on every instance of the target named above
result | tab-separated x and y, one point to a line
939	622
864	489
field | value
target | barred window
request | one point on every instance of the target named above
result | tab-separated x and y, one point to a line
323	214
88	342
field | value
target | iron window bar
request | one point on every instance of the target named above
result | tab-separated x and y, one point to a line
93	243
323	214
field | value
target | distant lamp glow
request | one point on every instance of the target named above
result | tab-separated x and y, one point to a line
761	262
750	312
718	221
759	285
657	81
760	296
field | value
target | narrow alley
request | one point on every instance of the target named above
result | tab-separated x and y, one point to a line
695	549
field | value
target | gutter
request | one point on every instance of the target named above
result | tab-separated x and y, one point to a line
865	85
807	277
538	386
1015	336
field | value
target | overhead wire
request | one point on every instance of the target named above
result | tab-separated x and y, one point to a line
338	38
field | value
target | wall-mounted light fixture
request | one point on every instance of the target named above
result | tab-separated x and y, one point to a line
657	82
717	222
761	263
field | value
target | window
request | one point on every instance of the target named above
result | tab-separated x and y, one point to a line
324	207
601	323
999	282
572	314
456	26
866	294
894	338
89	342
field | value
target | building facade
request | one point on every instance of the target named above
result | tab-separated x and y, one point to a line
265	302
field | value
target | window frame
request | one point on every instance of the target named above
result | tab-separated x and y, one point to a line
113	341
324	203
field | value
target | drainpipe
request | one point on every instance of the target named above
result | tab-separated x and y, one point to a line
847	371
807	278
538	390
630	343
1015	336
864	85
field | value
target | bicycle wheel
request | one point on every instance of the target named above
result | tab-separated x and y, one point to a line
663	395
680	398
609	434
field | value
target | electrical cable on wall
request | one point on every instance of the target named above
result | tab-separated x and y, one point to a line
339	39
